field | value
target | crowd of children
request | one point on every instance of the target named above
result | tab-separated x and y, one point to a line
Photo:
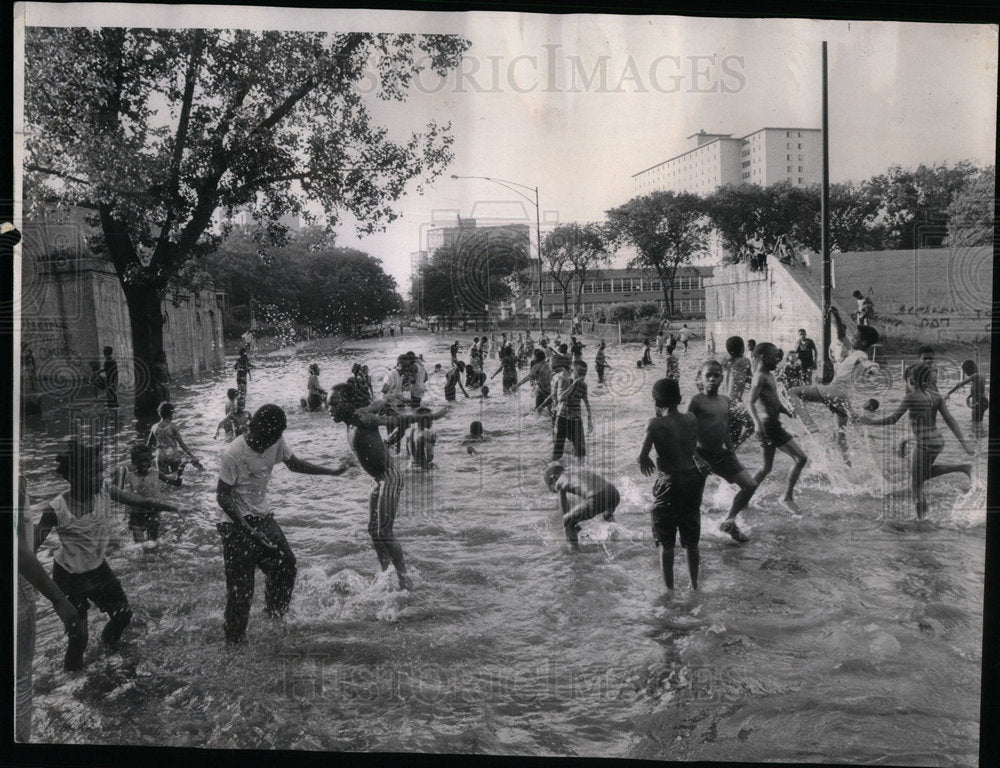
689	446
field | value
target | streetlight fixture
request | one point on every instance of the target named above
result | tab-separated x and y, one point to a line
538	224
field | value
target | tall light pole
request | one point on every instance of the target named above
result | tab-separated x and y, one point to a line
538	225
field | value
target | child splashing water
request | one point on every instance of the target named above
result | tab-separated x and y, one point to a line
922	402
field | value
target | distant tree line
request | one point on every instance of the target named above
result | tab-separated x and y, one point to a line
307	281
929	207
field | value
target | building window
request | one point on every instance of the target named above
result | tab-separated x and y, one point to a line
800	146
605	286
800	169
789	169
800	179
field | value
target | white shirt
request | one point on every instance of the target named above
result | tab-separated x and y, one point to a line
843	372
249	473
83	540
392	385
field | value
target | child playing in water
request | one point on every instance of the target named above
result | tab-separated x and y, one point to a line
243	371
922	402
598	497
716	449
83	520
737	375
567	396
316	395
420	440
230	400
680	484
475	435
977	398
236	423
135	485
251	537
838	393
772	435
540	376
508	364
363	421
453	379
601	362
169	443
673	365
31	573
646	359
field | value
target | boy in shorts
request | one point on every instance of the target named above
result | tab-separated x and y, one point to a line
771	434
716	449
598	497
679	485
837	394
136	485
352	408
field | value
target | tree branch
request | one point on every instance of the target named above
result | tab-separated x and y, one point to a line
190	78
354	41
54	172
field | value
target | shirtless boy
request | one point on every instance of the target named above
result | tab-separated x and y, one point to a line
716	449
349	406
679	486
838	393
597	497
772	435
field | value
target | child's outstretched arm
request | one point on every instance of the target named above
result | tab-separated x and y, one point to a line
892	418
960	385
184	447
953	426
122	496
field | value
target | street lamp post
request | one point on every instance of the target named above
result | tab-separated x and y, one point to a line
538	225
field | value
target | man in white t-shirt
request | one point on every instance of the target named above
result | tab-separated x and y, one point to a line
251	538
838	393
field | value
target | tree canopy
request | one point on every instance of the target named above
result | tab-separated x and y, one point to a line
483	266
158	129
666	229
308	279
575	252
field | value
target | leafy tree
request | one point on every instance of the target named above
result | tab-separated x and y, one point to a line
556	259
666	228
914	203
307	279
972	212
578	251
481	267
158	129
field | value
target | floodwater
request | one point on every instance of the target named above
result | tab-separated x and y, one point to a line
831	637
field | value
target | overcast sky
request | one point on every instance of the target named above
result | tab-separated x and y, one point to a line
576	104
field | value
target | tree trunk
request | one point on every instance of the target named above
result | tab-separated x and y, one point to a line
147	342
565	301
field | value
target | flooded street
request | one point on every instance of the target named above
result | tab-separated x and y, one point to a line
831	637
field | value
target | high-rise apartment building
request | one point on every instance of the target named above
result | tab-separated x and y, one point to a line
764	157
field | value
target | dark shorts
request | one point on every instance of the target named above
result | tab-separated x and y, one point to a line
979	407
773	434
677	507
571	429
449	396
540	397
145	523
99	585
724	464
